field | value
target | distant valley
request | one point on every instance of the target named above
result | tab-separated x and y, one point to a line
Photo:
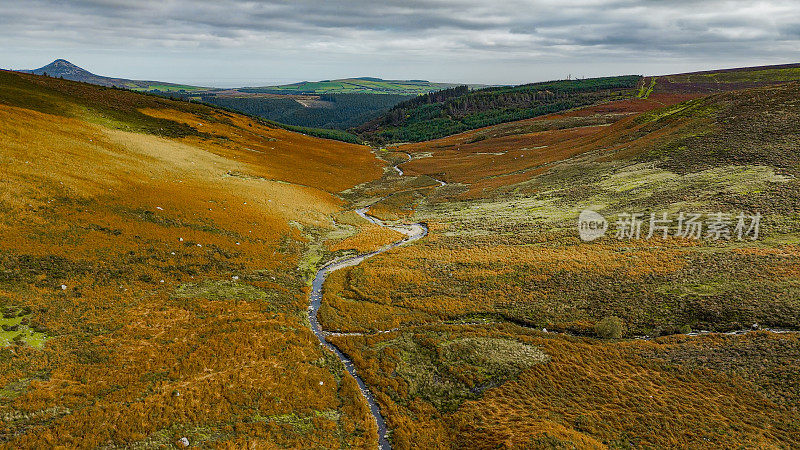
330	104
161	256
368	109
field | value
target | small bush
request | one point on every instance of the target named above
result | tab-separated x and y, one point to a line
18	340
611	327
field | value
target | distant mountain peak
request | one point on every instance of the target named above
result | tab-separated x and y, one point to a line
63	68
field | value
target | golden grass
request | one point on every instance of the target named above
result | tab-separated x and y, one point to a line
515	257
278	154
368	297
122	220
588	395
507	154
367	237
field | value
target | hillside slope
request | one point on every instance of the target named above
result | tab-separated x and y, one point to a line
153	274
360	85
334	111
61	68
713	81
504	329
456	110
459	109
336	104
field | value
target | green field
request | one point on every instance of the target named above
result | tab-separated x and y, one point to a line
365	85
15	328
167	87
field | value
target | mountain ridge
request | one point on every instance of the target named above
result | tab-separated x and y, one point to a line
453	111
62	68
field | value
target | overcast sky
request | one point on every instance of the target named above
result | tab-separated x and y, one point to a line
234	43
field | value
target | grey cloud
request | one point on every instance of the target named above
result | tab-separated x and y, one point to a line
411	33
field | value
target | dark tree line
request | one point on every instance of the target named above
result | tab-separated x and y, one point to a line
458	109
335	111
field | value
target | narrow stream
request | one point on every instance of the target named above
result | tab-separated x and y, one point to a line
413	232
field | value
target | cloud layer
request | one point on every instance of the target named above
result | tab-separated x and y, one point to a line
513	40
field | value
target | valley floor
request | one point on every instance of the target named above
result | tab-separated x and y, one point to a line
455	334
158	257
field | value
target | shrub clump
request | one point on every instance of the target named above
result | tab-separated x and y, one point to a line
611	327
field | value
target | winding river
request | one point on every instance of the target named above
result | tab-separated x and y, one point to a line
413	232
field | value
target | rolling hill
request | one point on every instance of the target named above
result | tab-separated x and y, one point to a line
331	104
361	85
456	110
711	81
153	273
62	68
157	255
503	329
338	104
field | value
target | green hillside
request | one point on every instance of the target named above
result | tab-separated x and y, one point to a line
335	111
725	80
354	86
460	109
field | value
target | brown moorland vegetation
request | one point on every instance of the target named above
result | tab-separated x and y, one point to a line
570	392
503	260
163	251
712	81
514	152
156	244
